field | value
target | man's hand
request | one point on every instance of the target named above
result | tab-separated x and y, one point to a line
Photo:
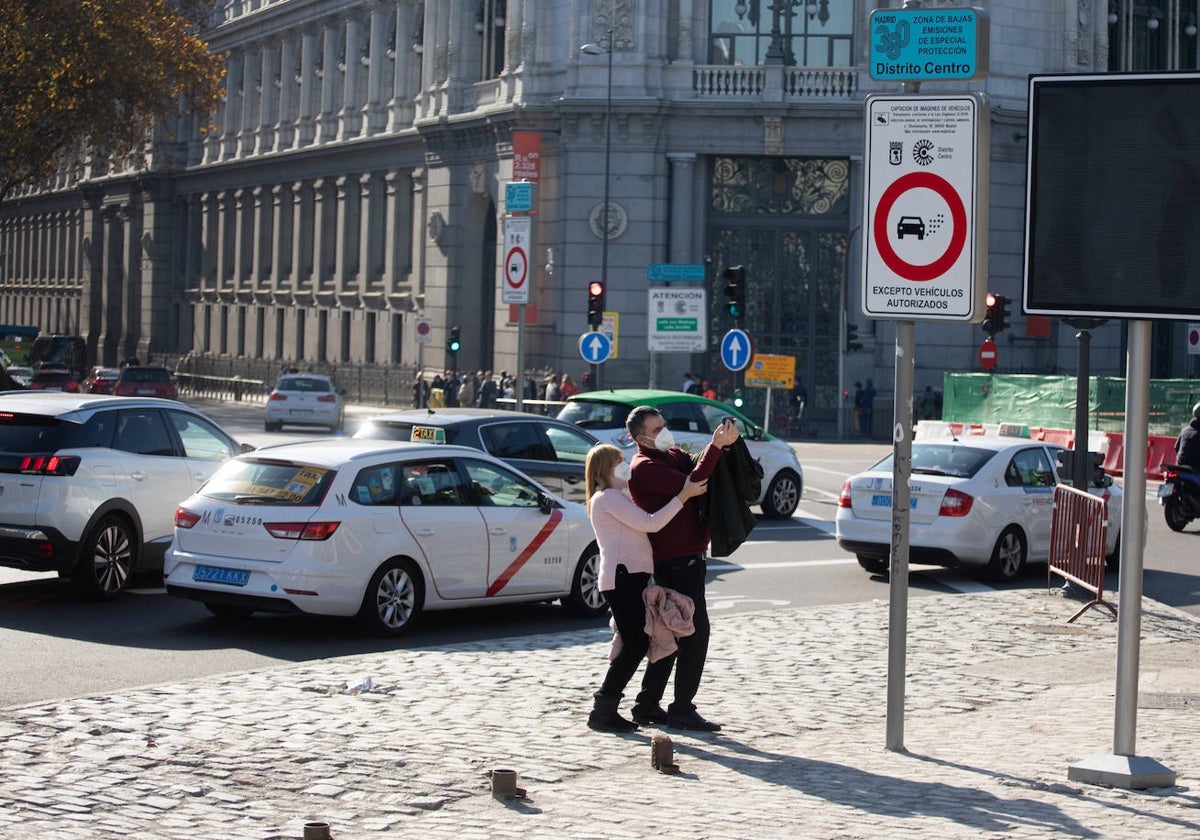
726	433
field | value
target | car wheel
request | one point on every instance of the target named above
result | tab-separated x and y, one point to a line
782	496
339	425
393	599
229	610
108	558
272	427
1008	556
1173	513
585	598
874	565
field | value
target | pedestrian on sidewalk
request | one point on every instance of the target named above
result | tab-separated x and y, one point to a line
625	567
659	470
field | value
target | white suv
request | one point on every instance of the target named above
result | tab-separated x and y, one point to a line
89	483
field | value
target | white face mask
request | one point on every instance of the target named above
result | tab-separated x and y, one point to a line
622	472
664	440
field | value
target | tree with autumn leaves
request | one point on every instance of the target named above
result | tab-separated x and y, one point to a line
96	78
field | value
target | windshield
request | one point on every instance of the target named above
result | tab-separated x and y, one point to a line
269	482
591	414
949	459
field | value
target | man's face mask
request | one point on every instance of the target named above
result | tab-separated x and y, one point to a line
664	440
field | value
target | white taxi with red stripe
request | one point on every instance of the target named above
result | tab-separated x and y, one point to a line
381	531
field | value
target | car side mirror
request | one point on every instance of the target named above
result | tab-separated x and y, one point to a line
755	433
545	503
246	447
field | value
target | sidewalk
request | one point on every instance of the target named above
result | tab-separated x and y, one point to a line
1003	696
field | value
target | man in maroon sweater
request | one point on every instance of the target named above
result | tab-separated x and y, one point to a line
659	470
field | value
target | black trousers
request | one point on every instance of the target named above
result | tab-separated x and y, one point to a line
686	576
629	614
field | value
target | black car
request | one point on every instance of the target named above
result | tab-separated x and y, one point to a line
548	450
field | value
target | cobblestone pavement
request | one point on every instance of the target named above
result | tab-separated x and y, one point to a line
1002	697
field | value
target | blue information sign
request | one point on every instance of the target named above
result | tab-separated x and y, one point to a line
675	272
736	350
594	347
518	196
928	44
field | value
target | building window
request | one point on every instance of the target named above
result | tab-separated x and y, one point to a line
491	21
790	32
774	186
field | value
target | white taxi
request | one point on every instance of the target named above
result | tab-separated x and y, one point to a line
381	531
982	503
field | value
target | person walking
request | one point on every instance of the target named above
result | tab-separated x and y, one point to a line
625	569
659	470
868	409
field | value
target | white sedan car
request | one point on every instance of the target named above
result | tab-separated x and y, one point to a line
380	531
304	399
981	503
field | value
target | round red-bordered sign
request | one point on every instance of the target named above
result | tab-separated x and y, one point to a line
958	226
516	266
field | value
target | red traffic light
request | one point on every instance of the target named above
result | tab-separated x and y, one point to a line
596	289
990	300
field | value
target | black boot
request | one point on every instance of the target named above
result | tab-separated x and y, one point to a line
604	716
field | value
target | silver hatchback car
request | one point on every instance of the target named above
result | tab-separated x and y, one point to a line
304	399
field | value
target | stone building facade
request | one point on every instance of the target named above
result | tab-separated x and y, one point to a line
347	202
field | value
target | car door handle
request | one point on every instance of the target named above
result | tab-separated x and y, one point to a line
200	476
572	479
425	532
498	531
138	476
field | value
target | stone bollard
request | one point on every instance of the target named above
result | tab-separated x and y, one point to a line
317	831
662	755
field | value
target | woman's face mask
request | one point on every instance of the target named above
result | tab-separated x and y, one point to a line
622	472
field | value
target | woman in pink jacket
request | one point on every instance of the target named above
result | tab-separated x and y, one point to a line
626	563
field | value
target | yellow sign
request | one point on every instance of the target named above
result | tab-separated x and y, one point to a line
771	372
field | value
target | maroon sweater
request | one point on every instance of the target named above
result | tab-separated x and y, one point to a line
657	477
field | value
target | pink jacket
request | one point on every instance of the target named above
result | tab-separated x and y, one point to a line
668	616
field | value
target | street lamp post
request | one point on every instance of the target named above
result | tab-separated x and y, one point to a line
596	49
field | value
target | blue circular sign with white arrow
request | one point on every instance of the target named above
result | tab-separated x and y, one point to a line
595	347
736	350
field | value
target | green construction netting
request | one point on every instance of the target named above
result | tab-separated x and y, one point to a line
1049	401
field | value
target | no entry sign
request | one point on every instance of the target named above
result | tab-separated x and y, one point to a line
925	208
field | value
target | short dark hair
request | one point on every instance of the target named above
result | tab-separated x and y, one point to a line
635	423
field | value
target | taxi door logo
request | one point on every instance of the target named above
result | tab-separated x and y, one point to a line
895	152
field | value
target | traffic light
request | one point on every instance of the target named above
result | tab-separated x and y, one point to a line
738	400
852	342
996	318
454	342
735	291
595	310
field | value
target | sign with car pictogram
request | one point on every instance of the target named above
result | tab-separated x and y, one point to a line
925	222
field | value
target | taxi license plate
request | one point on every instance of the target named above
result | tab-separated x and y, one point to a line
217	574
146	391
1166	490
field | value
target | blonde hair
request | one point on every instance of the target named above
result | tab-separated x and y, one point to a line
601	459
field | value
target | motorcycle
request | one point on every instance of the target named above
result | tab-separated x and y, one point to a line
1179	495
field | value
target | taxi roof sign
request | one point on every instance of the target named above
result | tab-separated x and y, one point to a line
916	45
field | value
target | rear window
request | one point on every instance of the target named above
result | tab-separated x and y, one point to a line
31	434
595	415
269	483
52	376
943	459
145	375
305	384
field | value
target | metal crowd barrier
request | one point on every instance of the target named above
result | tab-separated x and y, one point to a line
234	388
1078	531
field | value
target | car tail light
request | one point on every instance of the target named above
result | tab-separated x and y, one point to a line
73	387
275	395
844	498
50	464
327	398
185	518
301	530
956	503
1170	475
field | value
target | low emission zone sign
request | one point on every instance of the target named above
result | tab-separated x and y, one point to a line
912	45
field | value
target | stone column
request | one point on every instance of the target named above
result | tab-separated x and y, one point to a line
406	73
249	124
350	116
397	229
131	289
327	123
420	239
324	227
233	105
347	214
243	243
371	216
289	92
306	118
301	236
226	232
281	200
270	86
265	233
374	115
